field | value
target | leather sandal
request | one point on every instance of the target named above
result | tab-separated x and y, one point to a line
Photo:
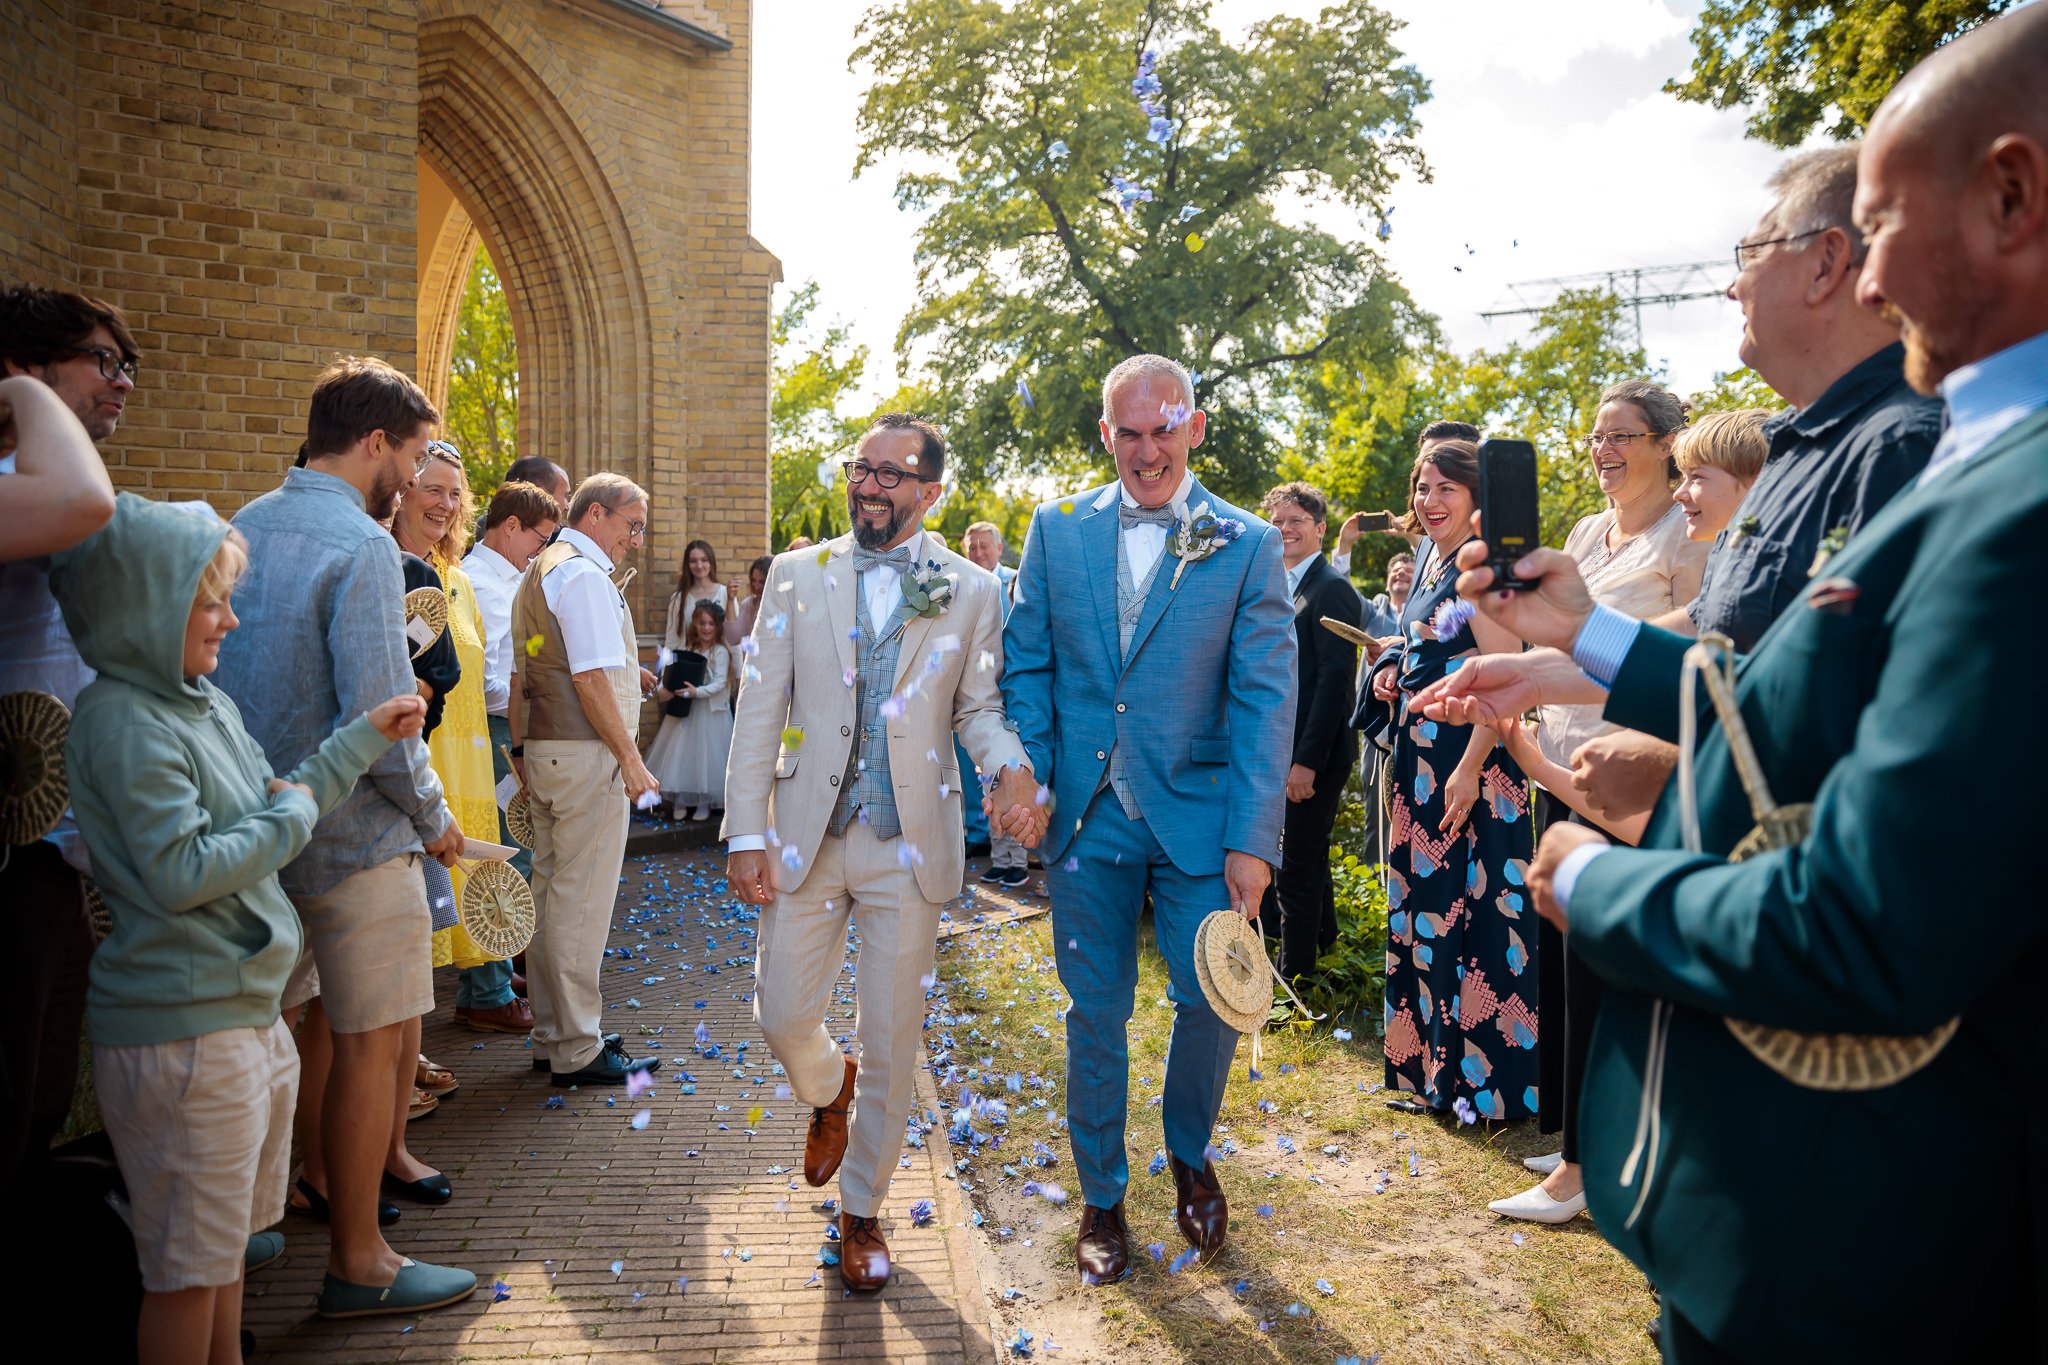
434	1080
422	1105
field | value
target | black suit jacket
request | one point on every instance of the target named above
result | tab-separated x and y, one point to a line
1327	669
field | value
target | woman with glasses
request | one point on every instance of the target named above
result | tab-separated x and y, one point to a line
1636	557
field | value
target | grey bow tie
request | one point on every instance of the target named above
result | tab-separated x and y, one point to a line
897	559
1128	516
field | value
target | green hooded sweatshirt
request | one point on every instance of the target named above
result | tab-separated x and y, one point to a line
172	796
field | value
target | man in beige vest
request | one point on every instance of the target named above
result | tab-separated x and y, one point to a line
574	711
843	790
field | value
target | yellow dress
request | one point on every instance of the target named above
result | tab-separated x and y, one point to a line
460	750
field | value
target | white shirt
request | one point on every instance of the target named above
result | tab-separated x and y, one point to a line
1144	543
589	610
1300	571
496	581
883	585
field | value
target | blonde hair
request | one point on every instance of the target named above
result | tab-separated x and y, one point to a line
454	541
227	566
1733	442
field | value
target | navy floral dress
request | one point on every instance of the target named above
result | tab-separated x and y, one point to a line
1460	1015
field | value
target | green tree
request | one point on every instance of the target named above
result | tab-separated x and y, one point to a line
1816	64
816	370
1068	228
1733	390
483	384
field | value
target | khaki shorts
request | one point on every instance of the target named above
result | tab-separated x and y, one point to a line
371	941
202	1129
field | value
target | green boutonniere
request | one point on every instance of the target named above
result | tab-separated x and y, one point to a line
1746	526
1830	545
926	592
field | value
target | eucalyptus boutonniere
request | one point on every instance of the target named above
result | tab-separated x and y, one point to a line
1746	525
926	592
1197	536
1830	545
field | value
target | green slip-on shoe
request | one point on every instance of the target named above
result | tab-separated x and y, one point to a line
264	1247
418	1288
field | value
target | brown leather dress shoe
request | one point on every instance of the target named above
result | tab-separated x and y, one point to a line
1199	1205
1104	1251
513	1017
863	1255
825	1144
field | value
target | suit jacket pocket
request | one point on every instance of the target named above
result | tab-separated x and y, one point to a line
1209	749
786	757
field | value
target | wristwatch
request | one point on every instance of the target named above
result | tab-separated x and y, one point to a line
517	751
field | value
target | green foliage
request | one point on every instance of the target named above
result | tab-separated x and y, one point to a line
482	419
1361	414
1030	269
1816	64
1734	390
815	372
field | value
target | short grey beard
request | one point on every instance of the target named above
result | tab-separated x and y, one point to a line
869	539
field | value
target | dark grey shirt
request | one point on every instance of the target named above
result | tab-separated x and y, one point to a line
1832	465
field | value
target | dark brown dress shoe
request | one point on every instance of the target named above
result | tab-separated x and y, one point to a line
1199	1205
1104	1251
825	1144
863	1255
514	1016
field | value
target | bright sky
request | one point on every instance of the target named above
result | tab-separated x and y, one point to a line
1547	128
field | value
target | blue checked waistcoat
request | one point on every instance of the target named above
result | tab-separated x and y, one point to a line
867	789
1130	606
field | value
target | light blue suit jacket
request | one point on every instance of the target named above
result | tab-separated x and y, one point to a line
1203	711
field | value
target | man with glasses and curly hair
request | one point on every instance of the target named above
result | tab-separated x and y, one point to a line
82	349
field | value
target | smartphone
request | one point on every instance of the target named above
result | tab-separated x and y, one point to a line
1508	520
1373	521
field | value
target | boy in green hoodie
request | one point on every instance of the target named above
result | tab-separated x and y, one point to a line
196	1073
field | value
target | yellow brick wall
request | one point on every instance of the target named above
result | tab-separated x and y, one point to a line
38	147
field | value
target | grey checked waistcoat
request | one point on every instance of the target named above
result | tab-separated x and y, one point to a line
1130	605
866	790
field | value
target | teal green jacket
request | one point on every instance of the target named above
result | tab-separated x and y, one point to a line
172	794
1898	1224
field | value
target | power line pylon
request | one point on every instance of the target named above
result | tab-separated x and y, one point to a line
1635	285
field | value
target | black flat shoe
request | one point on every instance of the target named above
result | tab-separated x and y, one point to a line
316	1206
435	1189
611	1066
609	1040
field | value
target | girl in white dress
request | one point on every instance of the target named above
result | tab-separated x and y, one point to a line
687	757
697	581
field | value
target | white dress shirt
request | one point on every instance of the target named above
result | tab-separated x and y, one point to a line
1300	571
883	585
496	582
588	608
1145	542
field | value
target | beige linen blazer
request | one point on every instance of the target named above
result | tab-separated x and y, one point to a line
797	712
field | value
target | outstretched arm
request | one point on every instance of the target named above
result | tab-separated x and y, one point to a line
1027	654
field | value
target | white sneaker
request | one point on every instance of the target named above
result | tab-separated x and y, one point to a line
1534	1206
701	813
1544	1165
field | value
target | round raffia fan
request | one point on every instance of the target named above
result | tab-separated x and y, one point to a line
429	605
33	788
1828	1061
1235	974
519	818
497	909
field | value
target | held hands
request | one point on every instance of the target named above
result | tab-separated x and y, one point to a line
1021	817
1622	774
1301	783
1558	843
746	873
1247	877
402	717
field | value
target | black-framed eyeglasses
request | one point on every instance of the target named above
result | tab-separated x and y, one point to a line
887	476
112	363
1745	252
634	529
1620	440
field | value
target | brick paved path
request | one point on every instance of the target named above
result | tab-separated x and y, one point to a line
551	1200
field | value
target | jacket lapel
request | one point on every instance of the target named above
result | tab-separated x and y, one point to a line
911	651
841	583
1098	556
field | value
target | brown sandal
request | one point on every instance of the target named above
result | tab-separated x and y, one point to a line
435	1080
422	1105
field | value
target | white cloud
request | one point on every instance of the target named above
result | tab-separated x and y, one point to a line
1548	128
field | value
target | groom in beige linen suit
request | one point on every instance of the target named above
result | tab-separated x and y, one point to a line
843	792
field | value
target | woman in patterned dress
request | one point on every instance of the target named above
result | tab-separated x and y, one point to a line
1460	1014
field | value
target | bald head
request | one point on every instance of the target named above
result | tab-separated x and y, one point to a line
1952	193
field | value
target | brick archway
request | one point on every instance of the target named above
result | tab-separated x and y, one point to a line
528	185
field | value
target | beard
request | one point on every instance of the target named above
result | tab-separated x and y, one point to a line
875	537
382	504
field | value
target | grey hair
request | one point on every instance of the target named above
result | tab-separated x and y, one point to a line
609	491
1147	367
987	526
1815	191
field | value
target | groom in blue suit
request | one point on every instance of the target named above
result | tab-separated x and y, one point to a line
1155	697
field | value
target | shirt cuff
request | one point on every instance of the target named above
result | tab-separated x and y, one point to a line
746	843
1567	875
1341	562
1603	642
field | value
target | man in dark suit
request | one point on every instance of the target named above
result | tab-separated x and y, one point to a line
1324	744
1775	1215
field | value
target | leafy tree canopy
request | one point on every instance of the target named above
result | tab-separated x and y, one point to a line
1816	64
816	371
482	419
1068	227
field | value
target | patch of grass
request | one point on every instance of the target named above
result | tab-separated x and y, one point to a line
1421	1271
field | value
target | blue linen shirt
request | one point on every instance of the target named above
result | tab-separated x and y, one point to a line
1832	464
322	640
